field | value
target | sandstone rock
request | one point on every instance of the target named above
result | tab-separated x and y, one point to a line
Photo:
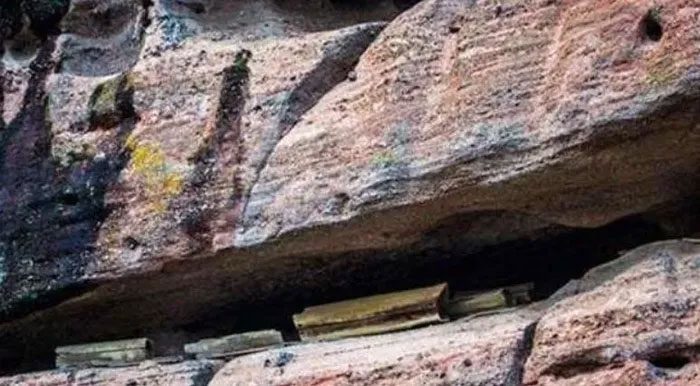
533	107
632	373
210	114
190	373
102	37
185	135
483	351
242	165
634	322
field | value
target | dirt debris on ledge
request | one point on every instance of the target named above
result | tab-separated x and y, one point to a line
258	153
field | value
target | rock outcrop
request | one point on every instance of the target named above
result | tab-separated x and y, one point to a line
533	107
485	351
633	323
189	373
163	163
630	322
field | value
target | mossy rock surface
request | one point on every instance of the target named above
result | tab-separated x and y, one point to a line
106	106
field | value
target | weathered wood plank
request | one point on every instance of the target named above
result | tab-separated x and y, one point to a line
127	344
372	315
117	353
233	345
473	302
463	304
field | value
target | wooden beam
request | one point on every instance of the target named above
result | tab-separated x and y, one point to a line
104	354
372	315
234	345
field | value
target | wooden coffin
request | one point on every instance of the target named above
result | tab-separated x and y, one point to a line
372	315
234	345
104	354
469	303
463	304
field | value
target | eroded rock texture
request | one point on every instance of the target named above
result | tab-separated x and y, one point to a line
564	110
485	351
162	162
633	323
189	373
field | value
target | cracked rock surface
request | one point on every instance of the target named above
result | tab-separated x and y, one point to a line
163	160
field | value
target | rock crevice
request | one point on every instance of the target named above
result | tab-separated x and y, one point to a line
180	168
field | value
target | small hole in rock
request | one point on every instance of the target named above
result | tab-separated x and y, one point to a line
672	362
131	243
651	27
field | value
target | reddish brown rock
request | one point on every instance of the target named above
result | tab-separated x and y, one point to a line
135	170
102	37
209	116
241	156
632	373
488	350
190	373
634	322
534	107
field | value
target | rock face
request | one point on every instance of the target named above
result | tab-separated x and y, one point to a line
631	322
460	108
634	323
163	160
484	351
190	373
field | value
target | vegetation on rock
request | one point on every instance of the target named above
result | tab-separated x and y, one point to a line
160	182
106	106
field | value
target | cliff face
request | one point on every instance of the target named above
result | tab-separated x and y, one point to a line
168	163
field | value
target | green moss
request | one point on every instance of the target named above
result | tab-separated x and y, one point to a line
68	154
660	78
655	13
105	108
662	72
384	159
240	66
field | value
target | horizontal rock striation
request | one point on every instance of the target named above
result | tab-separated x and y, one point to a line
484	351
634	321
163	162
629	322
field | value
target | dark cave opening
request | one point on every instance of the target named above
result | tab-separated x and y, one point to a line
550	257
549	263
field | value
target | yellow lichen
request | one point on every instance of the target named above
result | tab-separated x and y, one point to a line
661	77
662	72
149	164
